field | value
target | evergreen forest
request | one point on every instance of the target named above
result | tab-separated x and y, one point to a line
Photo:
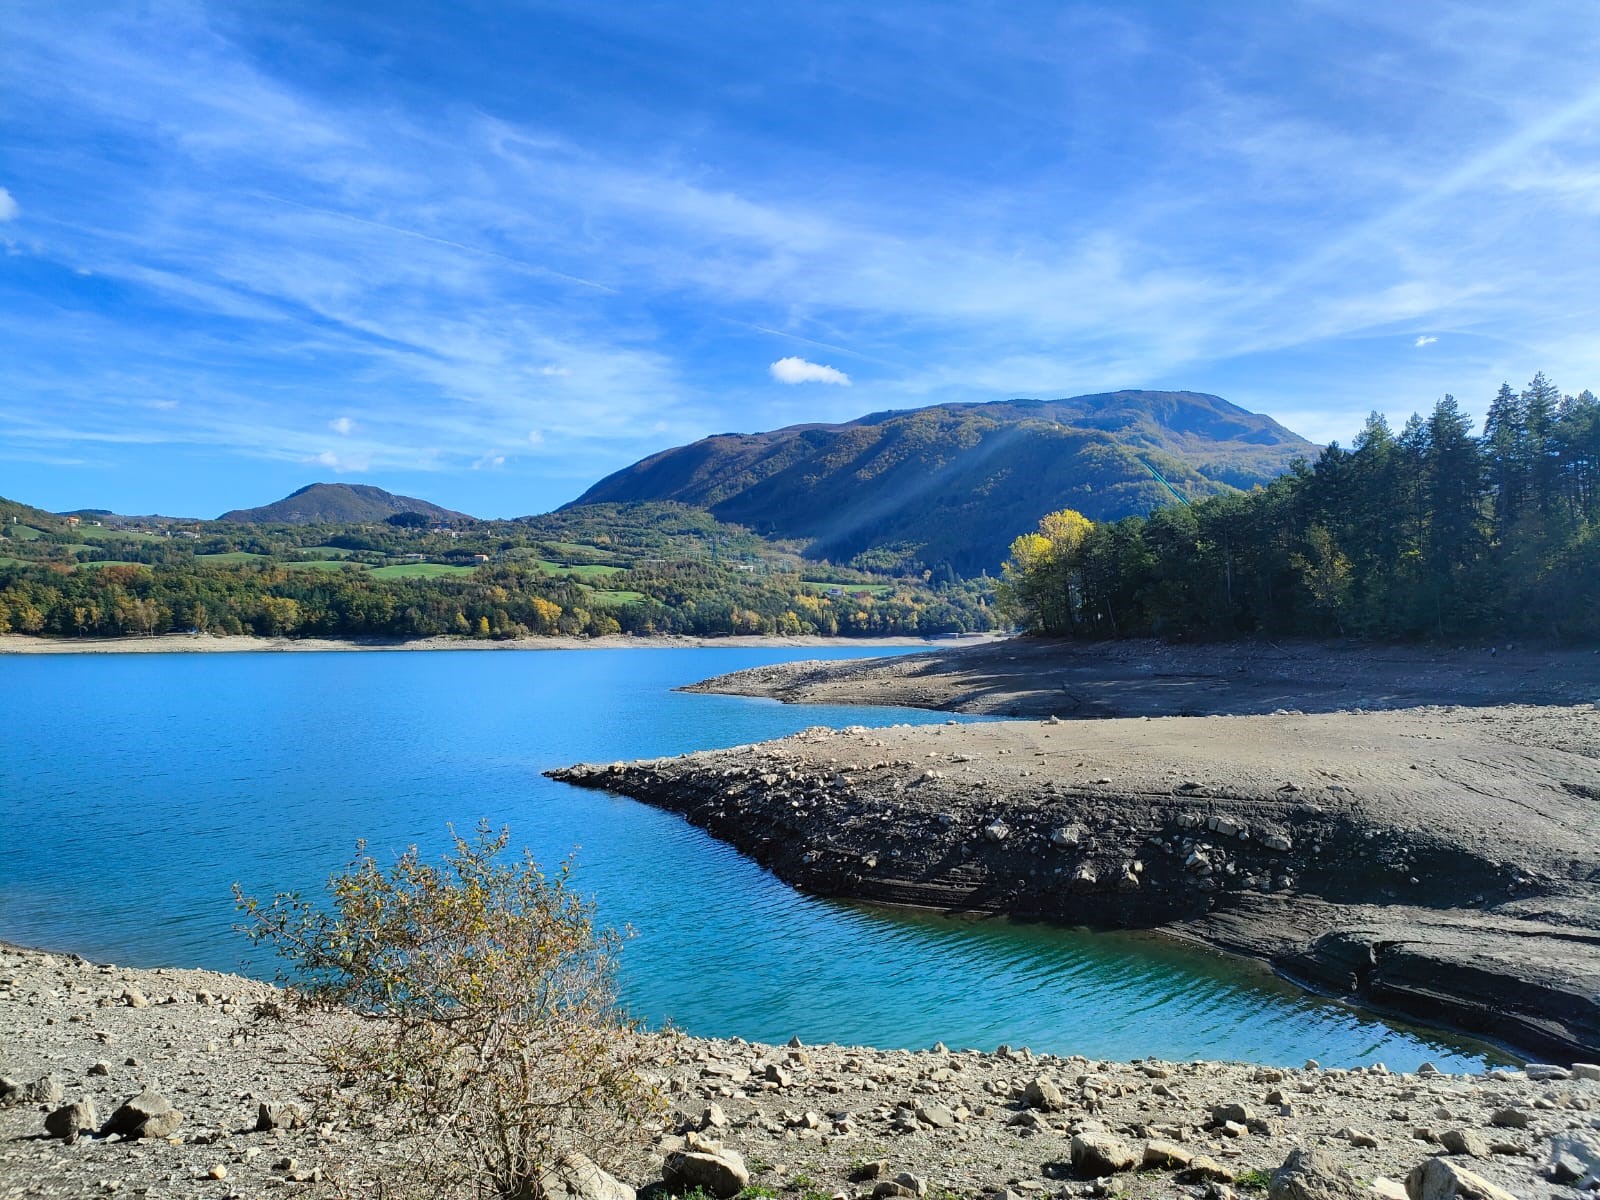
1431	532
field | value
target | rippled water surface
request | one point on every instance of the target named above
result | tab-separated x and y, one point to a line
135	789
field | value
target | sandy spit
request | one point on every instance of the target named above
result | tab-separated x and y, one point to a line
184	643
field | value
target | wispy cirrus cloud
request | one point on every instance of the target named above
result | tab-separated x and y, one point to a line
430	265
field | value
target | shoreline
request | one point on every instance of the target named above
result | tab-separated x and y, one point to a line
184	643
1352	853
805	1119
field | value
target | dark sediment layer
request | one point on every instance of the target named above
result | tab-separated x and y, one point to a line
1437	863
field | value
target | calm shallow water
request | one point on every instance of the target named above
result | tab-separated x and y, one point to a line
135	789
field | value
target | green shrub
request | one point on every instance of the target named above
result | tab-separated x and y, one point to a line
480	1018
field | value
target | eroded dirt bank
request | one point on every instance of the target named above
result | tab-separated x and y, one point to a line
807	1123
1443	863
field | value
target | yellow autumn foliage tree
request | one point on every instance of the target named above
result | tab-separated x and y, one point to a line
1041	586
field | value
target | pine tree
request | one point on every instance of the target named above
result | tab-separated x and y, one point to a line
1454	483
1539	403
1505	446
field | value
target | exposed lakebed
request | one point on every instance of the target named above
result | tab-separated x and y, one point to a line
136	789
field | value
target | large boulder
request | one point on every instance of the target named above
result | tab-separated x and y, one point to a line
68	1121
720	1172
578	1178
1096	1153
1312	1175
149	1114
1044	1095
1441	1179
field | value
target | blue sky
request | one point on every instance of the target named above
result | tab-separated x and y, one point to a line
486	253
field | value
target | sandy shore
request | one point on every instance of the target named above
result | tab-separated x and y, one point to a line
185	643
1023	677
808	1121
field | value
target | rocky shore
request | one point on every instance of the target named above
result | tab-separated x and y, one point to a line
171	1084
1439	862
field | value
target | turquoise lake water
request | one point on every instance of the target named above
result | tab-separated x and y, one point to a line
135	789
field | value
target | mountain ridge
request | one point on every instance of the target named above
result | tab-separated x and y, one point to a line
344	503
955	483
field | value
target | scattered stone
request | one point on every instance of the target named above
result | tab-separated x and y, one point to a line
272	1115
722	1172
1547	1072
46	1089
1576	1150
149	1114
867	1172
100	1068
70	1120
579	1178
1205	1169
1045	1096
1164	1155
217	1172
1564	1168
1239	1114
1441	1179
1509	1118
917	1185
1096	1153
1464	1141
935	1115
1312	1175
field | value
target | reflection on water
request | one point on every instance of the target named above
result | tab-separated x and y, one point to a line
135	789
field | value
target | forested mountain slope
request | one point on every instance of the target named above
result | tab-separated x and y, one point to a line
955	483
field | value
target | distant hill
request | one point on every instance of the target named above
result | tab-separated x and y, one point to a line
957	482
338	503
15	512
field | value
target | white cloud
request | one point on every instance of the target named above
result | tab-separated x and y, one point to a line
1424	340
9	208
536	437
489	461
798	370
341	425
340	463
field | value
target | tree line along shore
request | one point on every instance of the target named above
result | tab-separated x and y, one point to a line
1429	533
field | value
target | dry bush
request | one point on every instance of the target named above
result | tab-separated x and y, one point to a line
488	1041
